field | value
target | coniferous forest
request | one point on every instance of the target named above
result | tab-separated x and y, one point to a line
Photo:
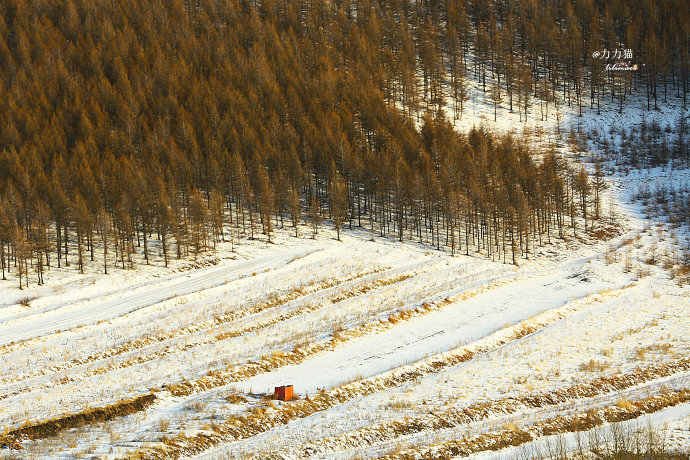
186	123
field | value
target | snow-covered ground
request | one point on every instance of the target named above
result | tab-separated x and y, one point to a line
108	338
399	347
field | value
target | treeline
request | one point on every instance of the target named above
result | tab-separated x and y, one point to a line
190	122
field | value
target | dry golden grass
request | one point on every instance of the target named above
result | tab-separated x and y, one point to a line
88	416
163	425
662	348
235	399
623	403
593	366
400	405
557	425
606	233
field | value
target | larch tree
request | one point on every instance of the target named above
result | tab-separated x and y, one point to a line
294	205
338	203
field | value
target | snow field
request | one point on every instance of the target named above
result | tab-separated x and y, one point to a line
589	309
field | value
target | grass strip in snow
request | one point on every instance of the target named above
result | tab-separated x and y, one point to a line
88	416
514	436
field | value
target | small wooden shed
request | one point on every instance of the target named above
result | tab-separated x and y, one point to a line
284	393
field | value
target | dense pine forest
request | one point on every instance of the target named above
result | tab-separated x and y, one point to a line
186	123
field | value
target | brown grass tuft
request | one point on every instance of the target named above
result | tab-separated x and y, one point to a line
26	301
